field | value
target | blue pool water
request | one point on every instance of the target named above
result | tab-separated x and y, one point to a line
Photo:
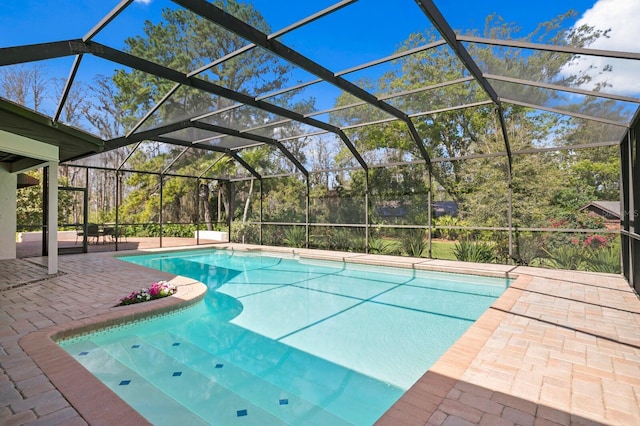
284	340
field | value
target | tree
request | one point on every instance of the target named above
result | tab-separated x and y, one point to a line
479	186
186	42
25	85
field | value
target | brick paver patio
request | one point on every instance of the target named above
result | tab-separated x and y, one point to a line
559	347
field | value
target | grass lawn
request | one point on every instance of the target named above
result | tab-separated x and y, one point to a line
442	249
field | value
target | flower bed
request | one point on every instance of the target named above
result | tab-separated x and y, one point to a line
156	290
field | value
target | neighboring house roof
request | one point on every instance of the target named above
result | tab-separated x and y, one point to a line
442	208
609	209
394	208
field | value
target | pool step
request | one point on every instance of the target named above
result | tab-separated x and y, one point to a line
147	399
283	404
361	400
202	395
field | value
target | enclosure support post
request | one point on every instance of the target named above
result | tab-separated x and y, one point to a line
160	213
197	211
219	197
429	220
633	213
45	209
510	214
629	207
229	213
306	214
261	196
85	241
52	222
625	173
117	230
366	212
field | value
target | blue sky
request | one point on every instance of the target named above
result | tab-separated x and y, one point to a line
361	32
35	21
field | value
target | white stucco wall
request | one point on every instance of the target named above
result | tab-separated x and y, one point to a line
37	154
8	185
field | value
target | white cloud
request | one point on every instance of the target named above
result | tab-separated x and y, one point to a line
143	1
621	17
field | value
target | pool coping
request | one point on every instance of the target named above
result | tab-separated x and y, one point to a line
98	404
417	263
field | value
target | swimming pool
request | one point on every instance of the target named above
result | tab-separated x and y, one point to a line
284	340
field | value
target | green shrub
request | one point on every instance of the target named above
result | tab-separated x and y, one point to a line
414	243
528	248
178	230
245	233
384	246
474	251
564	257
143	230
295	236
604	259
346	239
450	234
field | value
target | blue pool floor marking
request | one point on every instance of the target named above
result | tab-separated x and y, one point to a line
177	374
124	382
340	312
241	413
283	402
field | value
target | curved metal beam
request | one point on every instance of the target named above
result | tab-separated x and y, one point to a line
244	30
227	152
246	165
253	137
135	62
235	53
433	13
552	48
569	113
164	72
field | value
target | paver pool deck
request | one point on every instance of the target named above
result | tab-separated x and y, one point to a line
558	347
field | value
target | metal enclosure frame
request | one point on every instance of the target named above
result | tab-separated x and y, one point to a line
86	45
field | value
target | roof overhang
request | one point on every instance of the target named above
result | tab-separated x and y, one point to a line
25	180
71	143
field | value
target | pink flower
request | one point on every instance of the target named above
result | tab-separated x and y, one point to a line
154	291
595	241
